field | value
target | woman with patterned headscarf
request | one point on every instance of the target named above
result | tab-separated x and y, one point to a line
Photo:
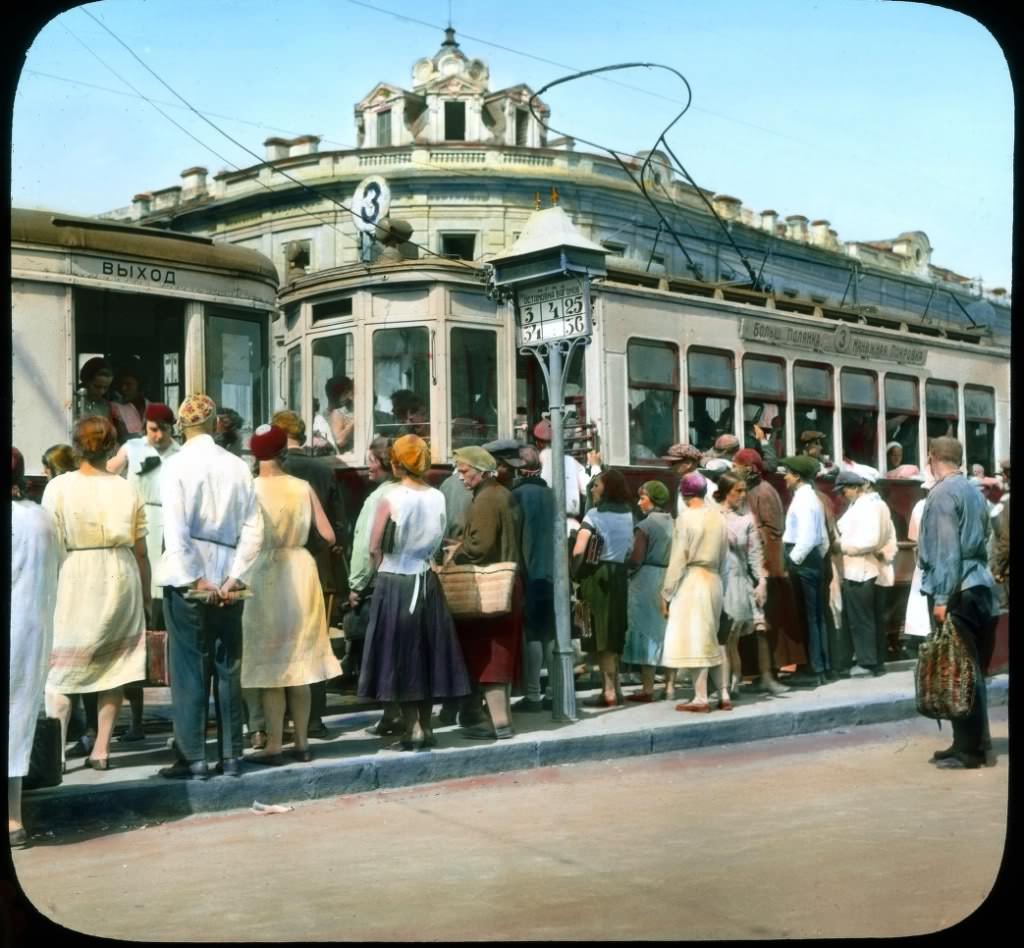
411	655
645	627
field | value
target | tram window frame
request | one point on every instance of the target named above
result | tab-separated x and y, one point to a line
847	405
293	359
331	309
255	412
639	436
823	407
417	421
710	393
464	370
775	426
939	414
326	429
979	446
906	432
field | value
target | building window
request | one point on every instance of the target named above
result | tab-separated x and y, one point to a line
455	121
522	127
813	401
653	398
401	382
614	249
902	421
474	386
942	413
332	309
979	427
236	367
764	402
295	379
711	395
332	380
459	246
859	398
384	128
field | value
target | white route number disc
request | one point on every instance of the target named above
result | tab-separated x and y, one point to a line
552	311
370	203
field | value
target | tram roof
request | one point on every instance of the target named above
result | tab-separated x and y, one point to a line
87	233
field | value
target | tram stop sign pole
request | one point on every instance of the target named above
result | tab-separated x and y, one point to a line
547	274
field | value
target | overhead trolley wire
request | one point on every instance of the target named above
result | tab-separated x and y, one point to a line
238	143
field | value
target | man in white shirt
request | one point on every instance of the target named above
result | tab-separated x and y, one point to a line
805	542
577	477
213	530
142	460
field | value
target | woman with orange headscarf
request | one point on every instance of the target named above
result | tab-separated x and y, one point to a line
411	655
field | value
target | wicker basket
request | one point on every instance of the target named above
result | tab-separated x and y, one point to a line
476	592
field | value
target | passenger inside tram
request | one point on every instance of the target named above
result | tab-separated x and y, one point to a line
860	435
341	421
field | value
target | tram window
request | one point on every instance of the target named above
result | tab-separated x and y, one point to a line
942	414
473	381
532	400
653	398
235	367
764	402
331	376
711	396
295	378
813	401
401	382
902	418
332	309
979	426
859	393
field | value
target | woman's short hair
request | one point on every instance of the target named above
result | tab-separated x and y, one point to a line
95	439
380	448
727	480
615	489
60	458
291	423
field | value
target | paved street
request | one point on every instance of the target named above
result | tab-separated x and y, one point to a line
834	834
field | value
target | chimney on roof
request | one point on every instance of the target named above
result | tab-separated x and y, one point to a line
820	233
796	227
193	182
276	148
304	145
768	220
727	206
140	205
166	198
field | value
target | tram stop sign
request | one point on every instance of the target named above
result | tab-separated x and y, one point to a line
552	311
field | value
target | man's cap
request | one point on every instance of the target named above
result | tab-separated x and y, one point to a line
870	474
717	466
477	457
195	410
806	467
160	413
682	452
93	367
505	450
808	437
849	479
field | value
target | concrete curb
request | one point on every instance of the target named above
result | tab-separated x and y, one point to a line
156	798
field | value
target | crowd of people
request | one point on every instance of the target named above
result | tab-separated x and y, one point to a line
149	532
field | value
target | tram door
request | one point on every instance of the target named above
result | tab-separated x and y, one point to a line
133	331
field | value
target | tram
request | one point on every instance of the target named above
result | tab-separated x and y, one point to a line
418	345
193	315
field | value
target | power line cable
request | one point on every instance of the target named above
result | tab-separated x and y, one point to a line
249	151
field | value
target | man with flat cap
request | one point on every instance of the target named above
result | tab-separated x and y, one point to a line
812	444
806	544
142	461
505	452
682	459
213	531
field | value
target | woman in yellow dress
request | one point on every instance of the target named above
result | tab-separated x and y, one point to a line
286	647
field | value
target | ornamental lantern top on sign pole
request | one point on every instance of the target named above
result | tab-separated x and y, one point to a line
547	273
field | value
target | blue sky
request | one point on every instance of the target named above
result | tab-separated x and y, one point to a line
879	116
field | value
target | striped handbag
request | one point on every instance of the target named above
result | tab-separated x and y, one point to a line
944	680
478	592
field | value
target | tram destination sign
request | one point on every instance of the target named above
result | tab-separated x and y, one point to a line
551	311
842	340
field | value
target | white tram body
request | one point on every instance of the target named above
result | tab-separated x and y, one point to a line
194	314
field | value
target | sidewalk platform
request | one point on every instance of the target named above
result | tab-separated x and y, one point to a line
352	761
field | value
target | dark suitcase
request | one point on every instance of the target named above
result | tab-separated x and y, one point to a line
45	766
